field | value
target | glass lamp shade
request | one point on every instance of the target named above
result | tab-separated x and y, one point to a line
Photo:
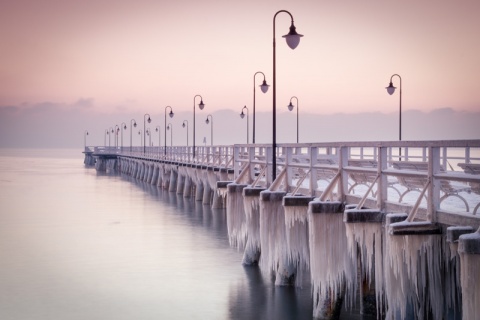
87	133
207	121
242	115
149	120
390	88
156	129
135	124
264	86
290	106
168	127
183	125
171	114
292	38
201	105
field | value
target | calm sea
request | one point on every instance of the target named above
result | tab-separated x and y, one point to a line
75	244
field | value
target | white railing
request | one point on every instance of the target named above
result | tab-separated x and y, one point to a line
430	178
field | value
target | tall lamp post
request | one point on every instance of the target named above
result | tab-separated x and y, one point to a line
149	120
201	105
133	124
211	127
293	39
264	87
123	126
170	127
290	108
391	90
171	116
85	134
242	115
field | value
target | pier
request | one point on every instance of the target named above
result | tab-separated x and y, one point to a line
391	225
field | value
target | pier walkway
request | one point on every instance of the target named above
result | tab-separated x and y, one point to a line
378	207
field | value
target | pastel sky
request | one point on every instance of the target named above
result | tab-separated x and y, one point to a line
127	56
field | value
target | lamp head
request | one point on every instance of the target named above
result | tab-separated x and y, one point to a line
390	88
124	127
292	38
183	125
242	115
149	120
290	106
135	124
156	129
171	114
207	121
168	127
87	133
201	105
264	86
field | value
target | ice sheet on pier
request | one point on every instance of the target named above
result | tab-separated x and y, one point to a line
252	215
236	219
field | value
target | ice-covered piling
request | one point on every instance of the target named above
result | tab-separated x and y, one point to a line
332	270
172	187
251	203
236	220
296	223
469	251
365	243
180	180
273	238
187	187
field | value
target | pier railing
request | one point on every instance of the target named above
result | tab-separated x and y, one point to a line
429	180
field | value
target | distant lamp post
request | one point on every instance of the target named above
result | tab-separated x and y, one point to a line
171	116
201	105
242	115
133	124
264	87
170	127
117	129
123	126
183	125
85	134
391	90
293	39
290	108
211	127
140	135
149	120
110	131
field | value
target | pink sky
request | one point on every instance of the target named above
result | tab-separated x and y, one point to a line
135	55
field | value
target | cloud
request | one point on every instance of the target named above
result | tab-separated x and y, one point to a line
84	103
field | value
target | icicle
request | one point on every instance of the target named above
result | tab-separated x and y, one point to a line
236	220
252	214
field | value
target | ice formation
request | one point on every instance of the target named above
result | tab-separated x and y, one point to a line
252	214
298	253
331	268
236	220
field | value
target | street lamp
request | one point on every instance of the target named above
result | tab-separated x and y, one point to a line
290	108
134	125
109	130
391	90
117	128
201	105
242	115
293	39
170	127
183	125
211	127
85	134
264	87
149	120
171	116
123	126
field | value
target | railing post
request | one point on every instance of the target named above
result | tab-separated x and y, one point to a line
268	155
433	197
236	163
313	185
288	160
343	183
382	186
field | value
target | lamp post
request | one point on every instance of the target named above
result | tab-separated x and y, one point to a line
123	126
149	120
293	39
211	127
242	115
117	128
290	108
264	87
170	127
171	116
183	125
134	125
85	134
201	105
391	90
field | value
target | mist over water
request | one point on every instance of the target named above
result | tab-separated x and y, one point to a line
75	244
